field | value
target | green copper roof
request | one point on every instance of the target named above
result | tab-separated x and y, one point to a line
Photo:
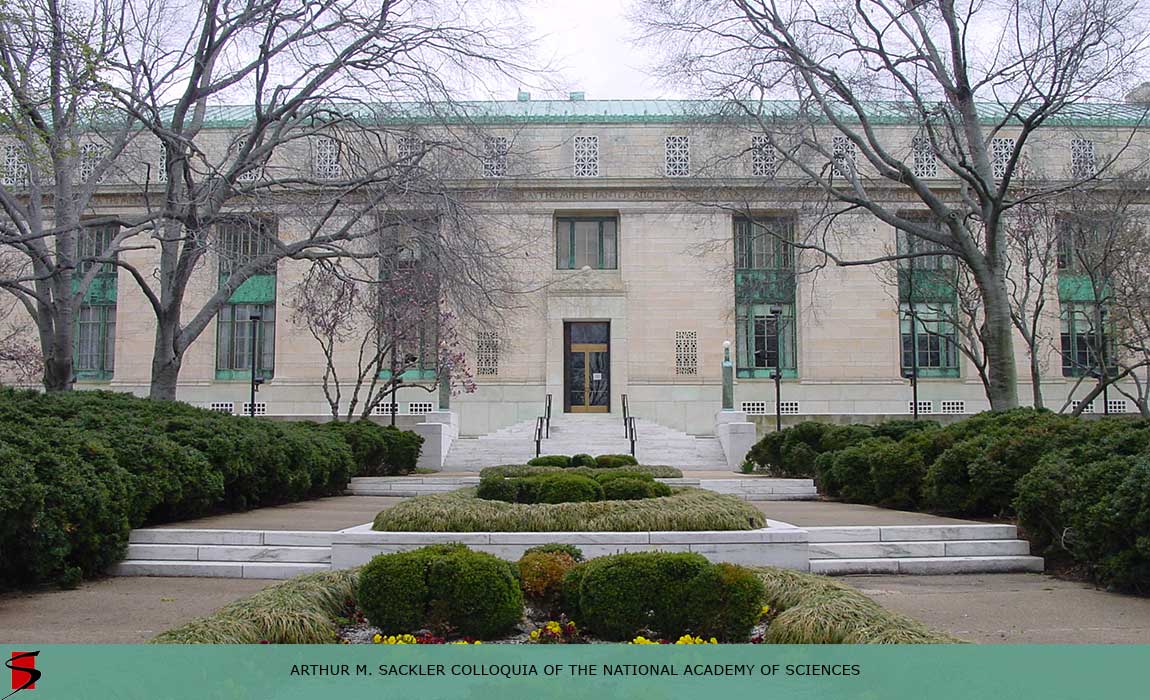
656	112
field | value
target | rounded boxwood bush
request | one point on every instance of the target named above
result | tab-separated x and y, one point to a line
541	575
612	461
498	489
632	489
565	488
473	593
582	460
550	461
725	601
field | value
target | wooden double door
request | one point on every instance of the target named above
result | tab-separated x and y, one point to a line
587	366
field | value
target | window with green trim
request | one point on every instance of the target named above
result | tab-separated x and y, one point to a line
765	337
929	339
94	349
409	297
234	331
242	240
1086	239
586	242
1084	334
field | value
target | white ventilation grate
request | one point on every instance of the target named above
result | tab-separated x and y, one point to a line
1000	152
228	407
1118	406
495	150
755	408
1088	409
586	156
420	407
385	409
687	352
925	162
15	172
953	407
677	155
844	156
325	159
261	409
789	408
1082	163
923	407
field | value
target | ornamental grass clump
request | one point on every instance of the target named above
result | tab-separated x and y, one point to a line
686	509
441	586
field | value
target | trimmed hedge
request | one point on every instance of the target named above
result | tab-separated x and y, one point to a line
664	594
633	488
613	461
1080	488
583	460
79	470
442	586
561	461
540	488
656	471
380	450
461	511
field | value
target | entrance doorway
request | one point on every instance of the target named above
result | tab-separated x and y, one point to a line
587	366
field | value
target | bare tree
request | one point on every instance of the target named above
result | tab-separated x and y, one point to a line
977	81
60	142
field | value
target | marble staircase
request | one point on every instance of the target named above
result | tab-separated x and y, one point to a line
593	434
259	554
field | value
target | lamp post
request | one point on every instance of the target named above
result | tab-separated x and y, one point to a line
728	378
776	312
1103	369
256	380
911	373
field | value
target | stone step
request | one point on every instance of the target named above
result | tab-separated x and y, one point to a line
919	549
928	565
196	536
907	533
215	569
229	553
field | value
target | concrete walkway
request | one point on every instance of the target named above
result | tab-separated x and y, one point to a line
321	515
833	514
1013	608
115	610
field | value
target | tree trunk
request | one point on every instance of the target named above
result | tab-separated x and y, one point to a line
1036	378
1002	389
166	361
56	345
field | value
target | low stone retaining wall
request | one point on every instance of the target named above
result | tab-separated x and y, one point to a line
778	544
746	488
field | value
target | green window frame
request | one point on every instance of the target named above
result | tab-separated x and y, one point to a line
765	342
234	341
929	340
94	342
1083	339
587	241
240	240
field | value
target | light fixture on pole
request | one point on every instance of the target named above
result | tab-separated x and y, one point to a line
256	380
911	372
776	312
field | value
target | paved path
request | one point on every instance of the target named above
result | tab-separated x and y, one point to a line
322	514
832	514
1013	608
115	610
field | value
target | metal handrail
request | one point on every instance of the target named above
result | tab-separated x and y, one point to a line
538	434
625	414
631	433
547	415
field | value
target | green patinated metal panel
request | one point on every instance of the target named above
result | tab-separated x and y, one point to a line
257	289
926	286
411	375
1078	288
761	286
235	375
760	373
101	292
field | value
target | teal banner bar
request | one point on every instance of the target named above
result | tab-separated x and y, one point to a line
602	672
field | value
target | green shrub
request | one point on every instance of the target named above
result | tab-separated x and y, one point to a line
629	488
947	484
612	461
495	488
898	429
896	472
792	453
441	586
557	548
605	475
851	469
582	460
664	594
461	511
550	461
656	471
540	488
379	450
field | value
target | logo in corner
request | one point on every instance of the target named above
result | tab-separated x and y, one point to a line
24	673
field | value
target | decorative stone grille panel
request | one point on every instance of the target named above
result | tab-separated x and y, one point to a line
15	167
844	155
1082	163
687	352
495	149
586	156
764	158
677	154
487	354
408	147
90	156
326	159
925	162
1000	152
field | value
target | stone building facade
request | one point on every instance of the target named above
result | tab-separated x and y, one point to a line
632	219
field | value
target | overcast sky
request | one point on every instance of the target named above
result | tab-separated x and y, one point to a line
590	41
